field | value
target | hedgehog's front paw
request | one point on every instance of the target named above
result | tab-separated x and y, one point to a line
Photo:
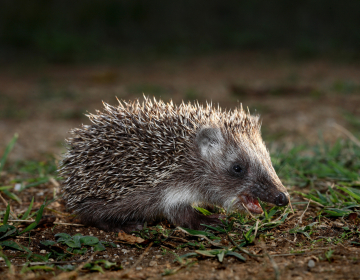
131	226
127	227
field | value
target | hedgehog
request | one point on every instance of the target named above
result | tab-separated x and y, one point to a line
147	160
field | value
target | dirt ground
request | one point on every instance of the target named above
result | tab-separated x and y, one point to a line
299	101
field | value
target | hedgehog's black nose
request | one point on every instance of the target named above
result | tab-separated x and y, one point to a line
281	200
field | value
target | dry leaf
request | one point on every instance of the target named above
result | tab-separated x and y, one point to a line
130	238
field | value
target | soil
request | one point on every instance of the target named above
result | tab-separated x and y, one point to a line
298	101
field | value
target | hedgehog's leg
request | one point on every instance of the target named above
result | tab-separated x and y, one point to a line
130	226
113	226
111	217
187	216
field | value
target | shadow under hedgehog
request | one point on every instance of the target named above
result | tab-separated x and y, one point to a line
144	161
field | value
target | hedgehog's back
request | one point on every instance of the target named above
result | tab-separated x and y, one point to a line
136	145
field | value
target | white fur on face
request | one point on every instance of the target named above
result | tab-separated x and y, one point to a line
230	203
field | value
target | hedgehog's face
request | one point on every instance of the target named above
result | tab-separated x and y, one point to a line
239	170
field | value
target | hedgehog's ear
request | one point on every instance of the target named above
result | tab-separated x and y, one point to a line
210	141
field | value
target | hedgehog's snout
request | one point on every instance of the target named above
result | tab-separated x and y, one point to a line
281	199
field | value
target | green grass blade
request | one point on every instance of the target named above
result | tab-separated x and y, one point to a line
239	256
6	216
37	220
8	149
350	192
35	184
12	196
27	213
7	262
264	209
203	211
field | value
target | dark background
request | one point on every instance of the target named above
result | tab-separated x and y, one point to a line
297	63
72	31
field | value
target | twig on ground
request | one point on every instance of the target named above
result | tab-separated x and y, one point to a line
312	201
22	221
273	263
256	227
55	223
292	242
178	238
23	237
48	263
73	274
287	255
69	224
58	212
54	182
252	216
292	209
126	272
202	236
302	215
347	133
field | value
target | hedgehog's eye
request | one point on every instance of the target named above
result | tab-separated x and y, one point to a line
237	168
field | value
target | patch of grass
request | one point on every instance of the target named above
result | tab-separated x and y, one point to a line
353	120
191	95
345	86
32	173
335	203
303	166
11	109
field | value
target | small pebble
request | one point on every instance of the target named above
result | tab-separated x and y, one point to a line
311	264
17	187
153	263
139	268
105	256
1	259
43	252
51	260
158	256
125	251
118	245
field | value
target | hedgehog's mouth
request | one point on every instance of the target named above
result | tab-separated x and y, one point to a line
251	203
